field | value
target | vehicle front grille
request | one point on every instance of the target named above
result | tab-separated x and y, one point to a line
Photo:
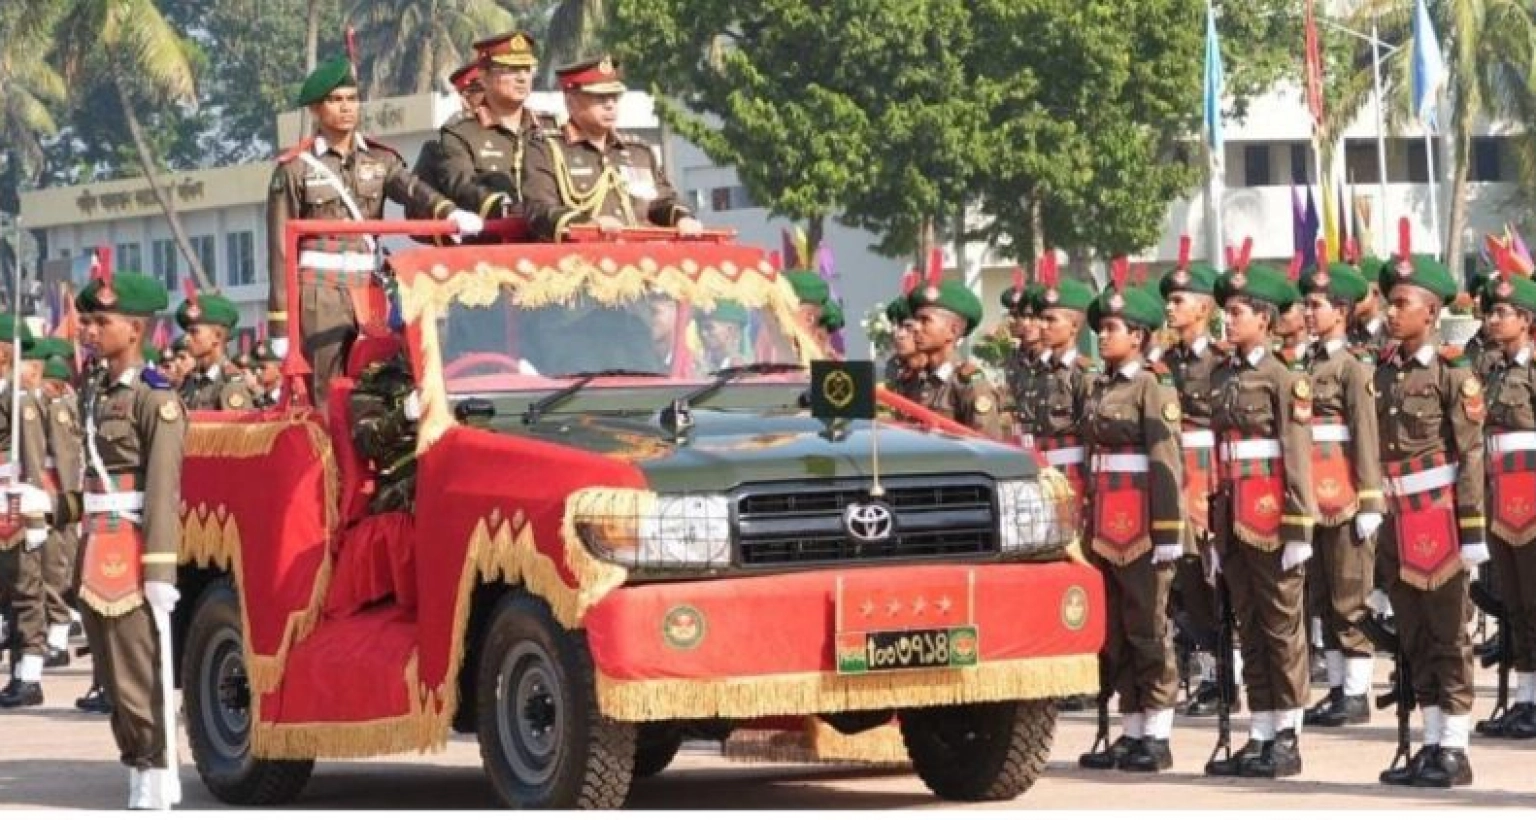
780	524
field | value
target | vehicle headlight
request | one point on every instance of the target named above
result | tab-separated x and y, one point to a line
660	531
1031	516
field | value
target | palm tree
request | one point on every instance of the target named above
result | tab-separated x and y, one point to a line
1490	58
408	45
127	46
575	30
29	86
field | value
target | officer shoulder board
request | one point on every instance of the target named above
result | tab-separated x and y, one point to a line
154	378
967	372
293	151
1163	373
1454	356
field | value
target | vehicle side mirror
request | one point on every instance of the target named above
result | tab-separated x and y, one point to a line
474	411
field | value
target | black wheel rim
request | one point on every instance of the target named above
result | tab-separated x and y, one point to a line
530	713
225	695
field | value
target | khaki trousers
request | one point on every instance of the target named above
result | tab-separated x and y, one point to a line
21	574
126	654
1342	577
1514	573
1432	628
1267	605
1137	660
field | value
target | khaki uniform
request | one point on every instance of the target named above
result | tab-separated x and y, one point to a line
136	425
958	392
1189	367
1019	370
212	389
1135	503
1261	417
338	290
1512	530
1431	410
62	419
568	180
1371	337
21	568
1050	407
1346	474
482	161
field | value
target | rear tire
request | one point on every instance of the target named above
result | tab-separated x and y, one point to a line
543	741
218	697
980	751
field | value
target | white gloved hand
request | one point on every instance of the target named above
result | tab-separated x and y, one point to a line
279	346
1473	554
412	406
161	596
1167	553
468	223
1366	524
1296	553
32	499
34	537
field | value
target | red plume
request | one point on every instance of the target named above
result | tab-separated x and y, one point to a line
1322	254
1184	252
935	267
1501	258
1231	258
1352	252
1294	271
1246	253
1141	274
1404	238
1048	269
189	287
352	48
776	259
1118	270
908	281
1018	280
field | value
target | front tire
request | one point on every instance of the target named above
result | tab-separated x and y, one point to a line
218	700
543	741
980	751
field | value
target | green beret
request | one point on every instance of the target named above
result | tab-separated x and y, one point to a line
832	319
9	328
132	294
1068	293
1022	302
1510	290
1421	271
809	286
210	309
1136	306
1259	282
57	369
952	296
263	353
46	347
1339	281
898	310
1199	277
327	77
727	311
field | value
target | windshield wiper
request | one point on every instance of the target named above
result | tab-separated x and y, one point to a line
726	375
583	378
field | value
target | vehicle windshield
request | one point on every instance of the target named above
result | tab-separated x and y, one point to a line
503	345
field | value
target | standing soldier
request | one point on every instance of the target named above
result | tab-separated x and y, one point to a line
1136	519
944	314
482	168
1261	417
1188	291
1368	325
905	362
1346	471
207	320
61	416
1291	335
588	172
337	174
134	432
1431	410
1020	369
269	375
1510	315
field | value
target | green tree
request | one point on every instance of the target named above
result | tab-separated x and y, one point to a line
573	30
407	46
30	89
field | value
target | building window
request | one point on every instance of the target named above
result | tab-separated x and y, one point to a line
1418	162
163	262
732	198
65	253
207	255
128	256
1360	166
1486	160
240	254
1301	154
1256	165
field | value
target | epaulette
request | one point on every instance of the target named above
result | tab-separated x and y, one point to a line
373	143
1163	373
154	378
1453	355
967	371
302	146
1363	353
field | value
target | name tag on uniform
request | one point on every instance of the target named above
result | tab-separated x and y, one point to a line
488	151
581	171
639	182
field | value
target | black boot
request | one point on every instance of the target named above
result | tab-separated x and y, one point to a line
1325	706
1520	723
1280	757
1496	724
1447	768
1233	765
95	701
21	693
1109	758
1150	755
1349	710
1406	775
56	658
1205	702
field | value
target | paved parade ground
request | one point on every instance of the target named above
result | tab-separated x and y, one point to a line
57	757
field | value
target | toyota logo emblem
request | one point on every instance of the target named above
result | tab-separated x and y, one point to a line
869	523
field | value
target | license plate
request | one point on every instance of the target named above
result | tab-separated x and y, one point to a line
860	653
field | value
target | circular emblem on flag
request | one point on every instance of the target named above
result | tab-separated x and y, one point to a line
1074	608
1116	303
1052	296
1239	280
683	627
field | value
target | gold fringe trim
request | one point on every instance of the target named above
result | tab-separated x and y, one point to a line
419	730
816	692
1515	538
228	439
818	743
1251	537
1113	554
111	609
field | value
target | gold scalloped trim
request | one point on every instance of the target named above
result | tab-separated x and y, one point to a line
816	692
419	730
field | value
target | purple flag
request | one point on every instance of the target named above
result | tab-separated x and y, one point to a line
1309	228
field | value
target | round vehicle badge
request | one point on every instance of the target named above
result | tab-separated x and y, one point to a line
683	627
1074	608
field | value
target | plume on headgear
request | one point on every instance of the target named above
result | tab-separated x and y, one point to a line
1352	251
1322	254
908	281
1048	269
1245	254
776	259
1294	271
101	268
1231	258
935	267
189	287
1404	239
1184	252
1118	270
1018	281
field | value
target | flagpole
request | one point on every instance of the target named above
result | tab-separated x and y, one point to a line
1215	144
1434	196
1378	237
1214	189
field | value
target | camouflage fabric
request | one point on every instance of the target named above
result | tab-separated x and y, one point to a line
385	434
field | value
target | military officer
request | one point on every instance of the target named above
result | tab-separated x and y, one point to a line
1050	408
337	174
482	167
1188	292
811	293
1368	325
269	375
1431	409
207	320
1261	417
429	162
1346	471
134	432
944	314
1024	326
182	362
1510	316
60	408
830	323
588	172
22	555
905	362
1136	519
1291	336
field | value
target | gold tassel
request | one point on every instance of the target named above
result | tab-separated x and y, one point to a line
817	692
111	609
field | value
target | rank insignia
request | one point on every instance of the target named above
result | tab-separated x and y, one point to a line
984	404
170	411
1171	411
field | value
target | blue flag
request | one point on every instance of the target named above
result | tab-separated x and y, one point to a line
1215	78
1428	65
1310	225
